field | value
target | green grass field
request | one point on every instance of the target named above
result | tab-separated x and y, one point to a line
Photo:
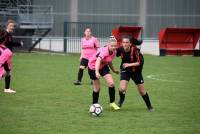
47	102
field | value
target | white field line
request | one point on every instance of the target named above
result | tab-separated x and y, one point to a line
157	77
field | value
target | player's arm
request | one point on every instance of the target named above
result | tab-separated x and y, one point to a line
113	68
16	44
96	43
97	66
134	64
136	41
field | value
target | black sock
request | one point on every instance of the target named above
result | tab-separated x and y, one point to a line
112	94
80	74
147	100
95	96
7	82
122	96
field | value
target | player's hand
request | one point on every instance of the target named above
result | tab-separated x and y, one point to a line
125	65
116	71
97	74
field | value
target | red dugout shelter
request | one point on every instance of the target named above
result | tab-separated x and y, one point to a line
178	41
132	31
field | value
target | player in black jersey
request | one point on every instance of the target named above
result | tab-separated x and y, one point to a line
131	68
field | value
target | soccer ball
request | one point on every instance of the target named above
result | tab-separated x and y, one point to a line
96	109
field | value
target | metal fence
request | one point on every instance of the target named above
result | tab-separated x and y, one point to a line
73	31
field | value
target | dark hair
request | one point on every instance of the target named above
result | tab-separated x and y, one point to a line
2	35
133	40
88	28
136	42
127	37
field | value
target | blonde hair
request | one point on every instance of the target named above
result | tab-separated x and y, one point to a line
112	39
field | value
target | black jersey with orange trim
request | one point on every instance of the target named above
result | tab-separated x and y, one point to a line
131	56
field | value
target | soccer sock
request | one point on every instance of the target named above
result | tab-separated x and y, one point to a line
80	74
7	82
122	96
95	96
112	94
147	100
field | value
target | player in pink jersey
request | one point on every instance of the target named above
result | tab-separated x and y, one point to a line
89	45
6	54
99	66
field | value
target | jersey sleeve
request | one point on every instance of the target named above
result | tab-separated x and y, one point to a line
82	43
137	55
96	43
102	53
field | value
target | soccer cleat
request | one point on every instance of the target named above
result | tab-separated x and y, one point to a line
77	83
9	91
114	107
120	103
151	109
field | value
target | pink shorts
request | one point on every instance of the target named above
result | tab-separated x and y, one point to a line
5	58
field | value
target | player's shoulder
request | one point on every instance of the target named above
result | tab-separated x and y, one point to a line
94	38
104	50
83	38
120	49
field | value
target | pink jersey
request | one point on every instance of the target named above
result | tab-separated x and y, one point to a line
105	56
89	47
5	56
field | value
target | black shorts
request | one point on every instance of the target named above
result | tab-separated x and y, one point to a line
84	62
6	68
135	76
105	70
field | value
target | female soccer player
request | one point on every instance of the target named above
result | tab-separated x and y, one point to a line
99	66
89	44
6	50
131	67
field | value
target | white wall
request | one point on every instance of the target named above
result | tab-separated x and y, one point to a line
150	47
73	45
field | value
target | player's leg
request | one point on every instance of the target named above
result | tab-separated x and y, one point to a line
96	90
122	92
8	79
96	86
124	79
145	97
111	89
83	65
138	79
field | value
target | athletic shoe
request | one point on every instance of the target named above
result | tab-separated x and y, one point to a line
77	83
9	91
113	106
120	103
151	109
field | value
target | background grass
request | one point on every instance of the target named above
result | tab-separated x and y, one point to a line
47	102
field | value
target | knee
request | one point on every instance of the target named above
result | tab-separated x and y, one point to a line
82	67
122	90
142	91
111	84
7	74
